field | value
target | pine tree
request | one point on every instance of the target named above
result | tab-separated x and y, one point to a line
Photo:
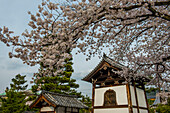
87	101
18	83
14	103
15	97
62	83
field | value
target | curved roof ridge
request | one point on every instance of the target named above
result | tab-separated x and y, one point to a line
56	100
106	58
66	95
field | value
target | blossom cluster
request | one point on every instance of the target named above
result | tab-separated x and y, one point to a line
136	32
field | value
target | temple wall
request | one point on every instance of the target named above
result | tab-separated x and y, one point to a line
66	110
47	109
141	98
60	110
121	95
112	110
132	92
135	110
143	111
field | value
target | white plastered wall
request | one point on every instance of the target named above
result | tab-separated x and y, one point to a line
132	92
121	95
135	110
141	97
47	109
112	110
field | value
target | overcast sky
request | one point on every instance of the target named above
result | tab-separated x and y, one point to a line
13	14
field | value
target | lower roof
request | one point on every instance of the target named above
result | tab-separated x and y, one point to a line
57	100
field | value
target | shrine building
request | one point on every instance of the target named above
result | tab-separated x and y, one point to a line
49	102
112	94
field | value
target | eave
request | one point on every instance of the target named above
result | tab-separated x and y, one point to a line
41	97
106	61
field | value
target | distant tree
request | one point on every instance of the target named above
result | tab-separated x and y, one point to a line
163	108
18	83
14	103
136	33
87	101
55	70
15	97
62	83
151	89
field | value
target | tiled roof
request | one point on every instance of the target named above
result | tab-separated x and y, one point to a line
62	100
112	63
104	59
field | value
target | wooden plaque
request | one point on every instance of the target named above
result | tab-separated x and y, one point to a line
110	98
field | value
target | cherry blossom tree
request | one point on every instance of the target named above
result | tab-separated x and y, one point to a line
136	33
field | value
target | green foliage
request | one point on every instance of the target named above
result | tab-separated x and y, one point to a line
150	102
31	98
168	101
151	110
18	83
15	101
151	91
62	83
163	108
87	101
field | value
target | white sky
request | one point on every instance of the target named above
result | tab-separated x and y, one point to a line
13	14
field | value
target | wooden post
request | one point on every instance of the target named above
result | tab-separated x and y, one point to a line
137	104
129	98
93	93
65	109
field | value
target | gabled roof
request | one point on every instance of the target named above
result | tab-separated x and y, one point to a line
55	99
105	59
109	63
112	62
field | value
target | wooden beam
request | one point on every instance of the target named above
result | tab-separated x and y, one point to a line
49	102
39	98
129	98
108	80
116	106
112	76
145	108
99	67
136	97
110	85
65	109
93	96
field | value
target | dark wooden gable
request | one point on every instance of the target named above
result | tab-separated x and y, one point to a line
103	72
47	98
41	101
